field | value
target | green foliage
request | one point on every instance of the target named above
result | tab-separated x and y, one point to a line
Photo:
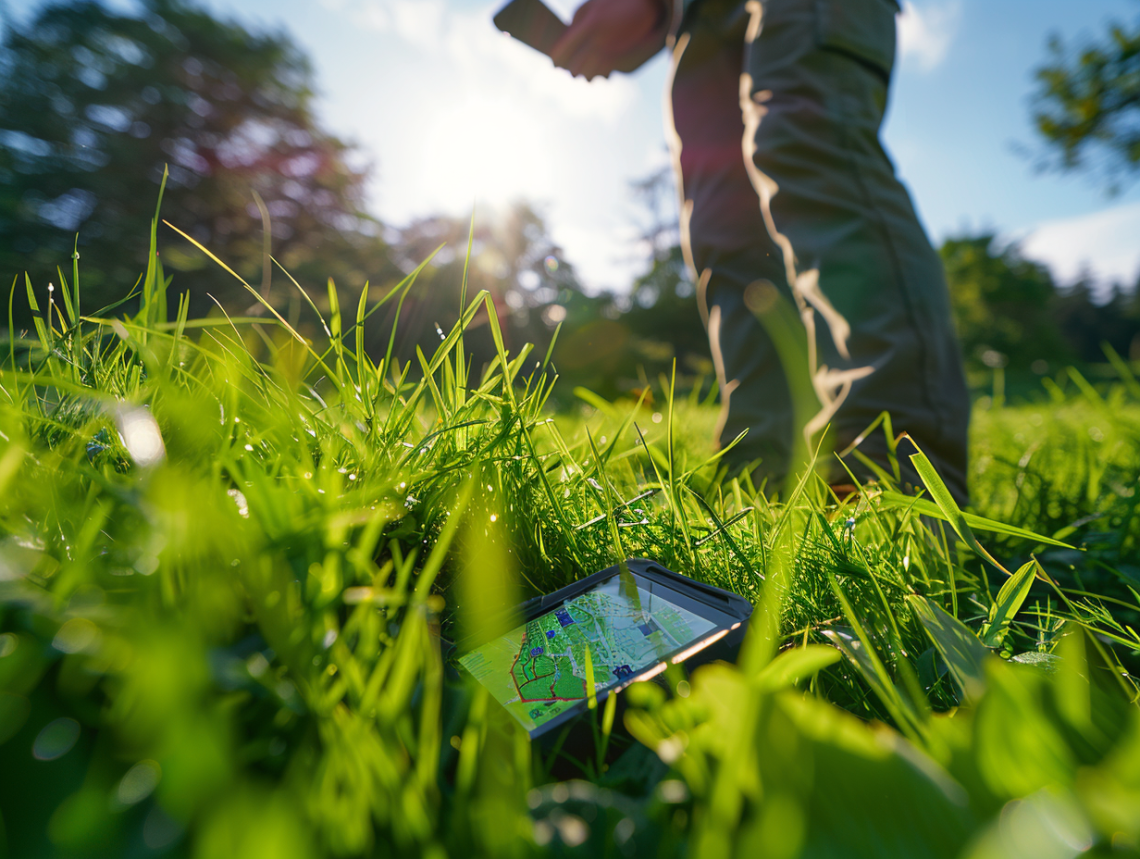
664	319
1013	317
1067	466
614	345
1002	304
1023	773
227	553
94	102
1088	322
1088	102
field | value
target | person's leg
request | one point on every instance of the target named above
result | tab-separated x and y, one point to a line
868	284
724	237
754	392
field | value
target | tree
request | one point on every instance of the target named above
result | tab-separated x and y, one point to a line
662	315
95	103
513	257
1087	105
1088	325
1010	313
1003	305
609	343
664	311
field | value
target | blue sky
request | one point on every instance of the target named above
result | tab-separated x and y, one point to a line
454	114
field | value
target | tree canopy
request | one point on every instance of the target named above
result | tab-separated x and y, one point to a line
1010	312
94	104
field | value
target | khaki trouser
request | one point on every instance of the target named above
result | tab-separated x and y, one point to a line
825	303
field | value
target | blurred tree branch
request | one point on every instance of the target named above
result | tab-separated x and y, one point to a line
1087	106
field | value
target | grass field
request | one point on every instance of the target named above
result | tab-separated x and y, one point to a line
226	554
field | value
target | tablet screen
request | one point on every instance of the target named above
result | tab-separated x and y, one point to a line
627	625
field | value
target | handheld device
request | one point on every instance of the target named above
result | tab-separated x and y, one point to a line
532	23
600	634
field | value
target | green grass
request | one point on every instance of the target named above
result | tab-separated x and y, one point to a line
227	552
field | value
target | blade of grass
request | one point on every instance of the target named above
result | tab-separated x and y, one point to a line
1009	600
252	291
962	651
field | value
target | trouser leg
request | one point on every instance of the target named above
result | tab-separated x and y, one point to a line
860	267
725	240
737	288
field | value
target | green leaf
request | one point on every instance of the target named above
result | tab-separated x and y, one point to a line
897	500
152	257
1122	369
41	328
870	667
796	664
591	688
65	291
948	505
961	650
1086	388
364	374
1007	604
600	403
334	310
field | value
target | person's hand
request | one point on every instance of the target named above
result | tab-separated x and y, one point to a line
611	35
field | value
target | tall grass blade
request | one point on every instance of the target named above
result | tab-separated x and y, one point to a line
1009	601
962	651
949	507
150	280
898	501
1122	370
281	319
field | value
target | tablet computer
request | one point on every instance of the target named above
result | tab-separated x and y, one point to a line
532	23
612	628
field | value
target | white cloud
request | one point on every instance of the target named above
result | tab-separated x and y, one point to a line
480	50
925	32
1102	243
484	58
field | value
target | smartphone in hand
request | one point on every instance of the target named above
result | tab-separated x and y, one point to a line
532	23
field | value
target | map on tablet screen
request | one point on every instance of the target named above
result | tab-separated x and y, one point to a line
538	670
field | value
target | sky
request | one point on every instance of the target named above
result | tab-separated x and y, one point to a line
455	116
